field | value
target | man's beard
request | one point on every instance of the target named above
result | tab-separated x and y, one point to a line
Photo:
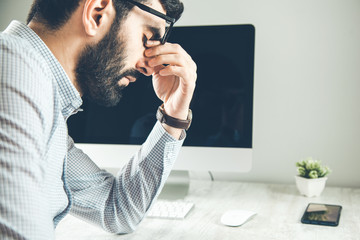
101	66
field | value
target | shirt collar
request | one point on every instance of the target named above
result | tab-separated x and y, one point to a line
70	97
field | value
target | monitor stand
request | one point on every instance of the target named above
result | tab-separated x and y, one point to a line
176	186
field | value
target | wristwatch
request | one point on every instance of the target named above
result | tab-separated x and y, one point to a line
171	121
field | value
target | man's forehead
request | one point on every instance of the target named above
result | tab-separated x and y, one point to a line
151	19
155	4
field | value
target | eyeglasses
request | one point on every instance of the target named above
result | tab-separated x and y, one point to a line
169	20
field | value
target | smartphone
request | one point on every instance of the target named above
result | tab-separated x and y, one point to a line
322	214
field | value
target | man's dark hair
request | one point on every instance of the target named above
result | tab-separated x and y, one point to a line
55	13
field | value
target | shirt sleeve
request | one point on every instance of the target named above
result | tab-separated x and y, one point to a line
119	203
23	132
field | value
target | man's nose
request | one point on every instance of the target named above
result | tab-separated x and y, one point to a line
143	67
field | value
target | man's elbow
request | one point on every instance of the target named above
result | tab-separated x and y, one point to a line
121	228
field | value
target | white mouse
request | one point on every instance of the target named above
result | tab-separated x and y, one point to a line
234	218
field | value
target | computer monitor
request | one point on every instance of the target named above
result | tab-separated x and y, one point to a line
220	137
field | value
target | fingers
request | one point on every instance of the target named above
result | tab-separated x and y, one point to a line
152	43
177	66
170	59
168	54
155	49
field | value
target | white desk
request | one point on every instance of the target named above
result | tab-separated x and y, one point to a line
279	209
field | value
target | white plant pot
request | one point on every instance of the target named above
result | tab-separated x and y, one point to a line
310	187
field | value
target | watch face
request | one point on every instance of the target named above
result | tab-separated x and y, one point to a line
190	116
160	115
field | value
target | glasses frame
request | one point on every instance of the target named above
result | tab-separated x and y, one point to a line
168	19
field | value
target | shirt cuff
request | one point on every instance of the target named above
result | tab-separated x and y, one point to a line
164	132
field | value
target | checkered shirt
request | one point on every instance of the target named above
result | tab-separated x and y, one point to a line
43	176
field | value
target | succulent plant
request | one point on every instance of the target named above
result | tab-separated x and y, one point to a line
310	168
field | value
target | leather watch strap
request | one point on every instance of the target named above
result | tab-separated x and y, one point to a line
171	121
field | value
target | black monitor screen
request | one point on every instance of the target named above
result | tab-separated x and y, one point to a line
222	104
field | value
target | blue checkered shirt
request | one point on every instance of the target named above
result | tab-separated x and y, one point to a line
43	176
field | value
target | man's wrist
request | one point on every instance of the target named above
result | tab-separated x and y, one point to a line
164	118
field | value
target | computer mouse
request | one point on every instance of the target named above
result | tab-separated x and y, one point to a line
235	218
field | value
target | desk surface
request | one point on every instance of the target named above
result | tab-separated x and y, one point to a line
279	209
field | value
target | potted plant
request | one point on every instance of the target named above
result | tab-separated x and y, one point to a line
312	177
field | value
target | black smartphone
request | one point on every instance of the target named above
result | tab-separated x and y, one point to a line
322	214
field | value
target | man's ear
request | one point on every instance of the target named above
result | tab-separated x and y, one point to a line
98	16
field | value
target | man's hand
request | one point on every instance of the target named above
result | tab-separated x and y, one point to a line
174	76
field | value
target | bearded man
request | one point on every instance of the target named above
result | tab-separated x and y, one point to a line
92	48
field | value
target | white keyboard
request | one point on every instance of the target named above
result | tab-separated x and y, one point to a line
170	209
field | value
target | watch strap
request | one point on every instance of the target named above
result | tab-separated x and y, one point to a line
171	121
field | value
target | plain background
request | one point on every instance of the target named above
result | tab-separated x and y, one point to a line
307	81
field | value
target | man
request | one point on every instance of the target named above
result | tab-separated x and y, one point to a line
92	48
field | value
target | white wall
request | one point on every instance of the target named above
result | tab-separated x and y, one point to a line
307	83
13	9
307	80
